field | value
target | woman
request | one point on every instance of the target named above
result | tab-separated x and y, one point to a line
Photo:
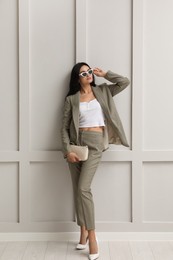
90	118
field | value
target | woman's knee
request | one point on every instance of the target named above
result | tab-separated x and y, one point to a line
83	190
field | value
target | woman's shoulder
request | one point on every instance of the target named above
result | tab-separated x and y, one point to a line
70	97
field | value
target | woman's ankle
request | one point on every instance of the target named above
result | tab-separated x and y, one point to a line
92	235
83	235
93	247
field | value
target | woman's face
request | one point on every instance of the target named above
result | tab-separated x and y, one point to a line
88	78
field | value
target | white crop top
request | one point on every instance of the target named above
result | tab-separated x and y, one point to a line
91	114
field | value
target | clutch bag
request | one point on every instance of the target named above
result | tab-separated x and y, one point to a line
81	151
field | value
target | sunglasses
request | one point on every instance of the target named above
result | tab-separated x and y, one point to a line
86	73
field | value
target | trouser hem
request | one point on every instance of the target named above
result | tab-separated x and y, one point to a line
87	228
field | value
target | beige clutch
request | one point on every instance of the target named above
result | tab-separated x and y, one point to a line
81	151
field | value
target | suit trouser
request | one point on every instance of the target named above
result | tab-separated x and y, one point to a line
82	174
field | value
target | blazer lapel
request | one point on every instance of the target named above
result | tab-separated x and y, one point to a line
99	96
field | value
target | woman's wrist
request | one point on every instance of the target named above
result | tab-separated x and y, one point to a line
104	74
99	72
67	154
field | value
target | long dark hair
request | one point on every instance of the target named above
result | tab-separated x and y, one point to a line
74	85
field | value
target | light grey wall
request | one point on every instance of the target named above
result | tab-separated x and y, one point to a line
40	42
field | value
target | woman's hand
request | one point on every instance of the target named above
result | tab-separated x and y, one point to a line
99	72
72	158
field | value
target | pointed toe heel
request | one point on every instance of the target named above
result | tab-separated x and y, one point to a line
82	246
93	256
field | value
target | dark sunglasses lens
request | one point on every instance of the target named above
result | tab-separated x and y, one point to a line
84	74
90	71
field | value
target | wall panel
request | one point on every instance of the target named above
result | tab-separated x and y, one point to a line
9	75
112	192
158	63
157	192
52	46
9	187
50	192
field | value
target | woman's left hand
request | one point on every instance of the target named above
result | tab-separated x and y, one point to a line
99	72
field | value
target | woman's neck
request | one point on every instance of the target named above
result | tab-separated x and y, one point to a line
85	89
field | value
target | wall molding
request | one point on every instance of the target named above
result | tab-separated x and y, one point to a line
102	236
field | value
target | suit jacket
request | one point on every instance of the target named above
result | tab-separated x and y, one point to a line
113	130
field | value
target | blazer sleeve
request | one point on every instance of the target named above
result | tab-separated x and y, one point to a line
67	116
119	82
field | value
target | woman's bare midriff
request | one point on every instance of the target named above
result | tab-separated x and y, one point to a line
96	129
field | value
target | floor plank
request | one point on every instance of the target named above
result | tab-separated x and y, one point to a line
56	251
120	250
109	250
104	250
162	250
2	247
35	251
14	251
141	250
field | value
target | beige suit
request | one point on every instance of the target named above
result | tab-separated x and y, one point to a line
113	132
82	173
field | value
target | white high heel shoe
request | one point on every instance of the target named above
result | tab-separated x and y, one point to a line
94	256
82	246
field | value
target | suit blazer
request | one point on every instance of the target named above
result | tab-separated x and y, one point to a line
113	130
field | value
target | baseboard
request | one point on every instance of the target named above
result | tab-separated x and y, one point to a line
102	236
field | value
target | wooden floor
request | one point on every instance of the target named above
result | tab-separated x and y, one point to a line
109	250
